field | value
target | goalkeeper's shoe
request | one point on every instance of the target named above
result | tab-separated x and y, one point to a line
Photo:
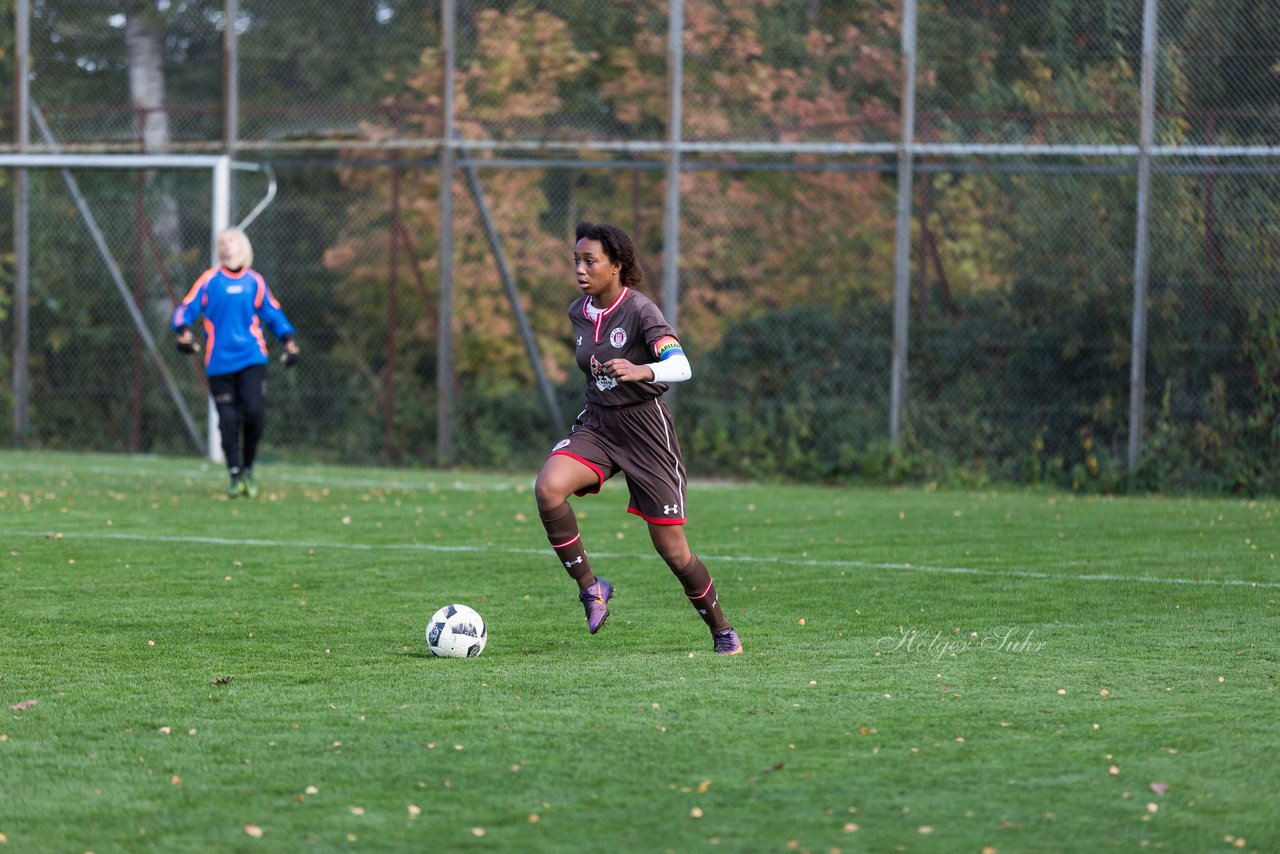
250	485
727	642
595	600
238	488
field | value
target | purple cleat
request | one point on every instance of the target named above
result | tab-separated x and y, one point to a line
727	642
595	601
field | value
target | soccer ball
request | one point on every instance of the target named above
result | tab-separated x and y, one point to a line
456	631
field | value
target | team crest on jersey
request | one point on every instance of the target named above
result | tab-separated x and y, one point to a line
618	337
604	382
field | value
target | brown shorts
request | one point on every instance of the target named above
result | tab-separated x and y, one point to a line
639	441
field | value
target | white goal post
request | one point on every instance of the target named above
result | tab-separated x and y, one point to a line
220	168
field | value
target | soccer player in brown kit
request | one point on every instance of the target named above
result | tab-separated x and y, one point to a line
630	357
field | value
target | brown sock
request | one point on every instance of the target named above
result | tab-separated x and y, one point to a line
563	534
701	591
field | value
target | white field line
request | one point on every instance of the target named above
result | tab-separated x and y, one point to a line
830	564
402	482
149	468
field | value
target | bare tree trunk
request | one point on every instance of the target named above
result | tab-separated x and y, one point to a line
146	78
146	91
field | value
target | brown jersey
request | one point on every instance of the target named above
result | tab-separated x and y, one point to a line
628	329
626	427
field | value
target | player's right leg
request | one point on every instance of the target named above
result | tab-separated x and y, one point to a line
251	394
222	388
563	475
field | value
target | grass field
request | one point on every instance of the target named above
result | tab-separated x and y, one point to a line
924	670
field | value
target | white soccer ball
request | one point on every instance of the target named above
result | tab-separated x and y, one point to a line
456	631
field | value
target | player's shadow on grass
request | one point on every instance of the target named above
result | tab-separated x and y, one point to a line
548	648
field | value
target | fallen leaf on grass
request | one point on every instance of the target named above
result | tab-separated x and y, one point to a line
221	680
24	705
414	810
253	830
1159	788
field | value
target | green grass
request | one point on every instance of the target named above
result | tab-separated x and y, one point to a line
873	709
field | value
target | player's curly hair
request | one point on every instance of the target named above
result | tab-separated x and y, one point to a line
618	245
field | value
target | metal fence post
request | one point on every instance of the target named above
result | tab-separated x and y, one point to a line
1142	237
902	229
444	359
671	194
21	223
671	200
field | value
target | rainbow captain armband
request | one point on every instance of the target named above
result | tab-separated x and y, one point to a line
672	365
668	348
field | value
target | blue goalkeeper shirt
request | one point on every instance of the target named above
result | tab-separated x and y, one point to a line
234	305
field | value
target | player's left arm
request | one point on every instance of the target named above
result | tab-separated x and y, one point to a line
269	309
672	366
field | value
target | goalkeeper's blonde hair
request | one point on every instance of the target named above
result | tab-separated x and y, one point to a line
243	259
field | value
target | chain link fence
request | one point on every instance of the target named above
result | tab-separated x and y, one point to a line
1020	291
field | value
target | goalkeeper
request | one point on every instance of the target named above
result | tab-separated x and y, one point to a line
234	302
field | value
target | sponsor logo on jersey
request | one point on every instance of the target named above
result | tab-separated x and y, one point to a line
618	337
604	382
235	289
563	443
670	509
